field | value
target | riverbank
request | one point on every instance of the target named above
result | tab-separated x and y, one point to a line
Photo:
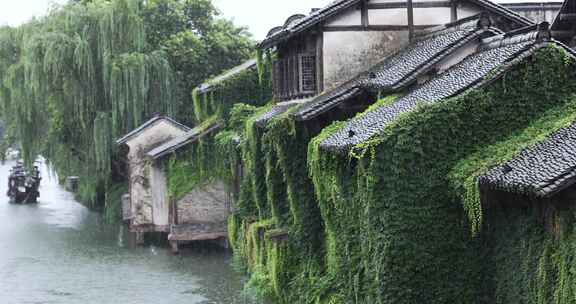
60	252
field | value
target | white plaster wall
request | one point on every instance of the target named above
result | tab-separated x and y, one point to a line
160	202
458	56
140	193
208	203
150	137
348	53
466	10
140	181
350	17
432	15
393	16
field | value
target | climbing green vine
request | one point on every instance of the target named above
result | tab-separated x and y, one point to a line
396	209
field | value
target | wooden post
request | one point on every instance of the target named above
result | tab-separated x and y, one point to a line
453	11
410	19
364	15
224	243
139	238
174	247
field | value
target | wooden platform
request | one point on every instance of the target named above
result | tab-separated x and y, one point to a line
197	232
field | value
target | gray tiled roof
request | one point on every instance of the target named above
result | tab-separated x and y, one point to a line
503	11
470	72
401	69
300	24
151	122
227	75
276	111
542	170
181	141
304	23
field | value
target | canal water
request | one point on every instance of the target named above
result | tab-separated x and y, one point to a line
60	252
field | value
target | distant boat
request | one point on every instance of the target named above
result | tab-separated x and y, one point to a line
23	185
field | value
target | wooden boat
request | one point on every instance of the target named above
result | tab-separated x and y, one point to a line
23	185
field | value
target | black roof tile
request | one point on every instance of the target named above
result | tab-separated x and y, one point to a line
295	25
299	23
276	111
151	122
401	69
181	141
467	74
542	170
209	85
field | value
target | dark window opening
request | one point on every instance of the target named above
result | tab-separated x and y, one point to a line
295	77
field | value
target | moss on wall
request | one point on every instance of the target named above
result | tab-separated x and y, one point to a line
398	219
252	87
396	226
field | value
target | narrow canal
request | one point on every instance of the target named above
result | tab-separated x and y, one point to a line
60	252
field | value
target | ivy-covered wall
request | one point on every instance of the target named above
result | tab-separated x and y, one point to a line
399	220
412	232
216	156
252	86
277	231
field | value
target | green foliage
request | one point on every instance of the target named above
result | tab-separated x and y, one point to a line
76	79
165	18
526	262
201	162
251	87
113	202
92	71
396	231
465	173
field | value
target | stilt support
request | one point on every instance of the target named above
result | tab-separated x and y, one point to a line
139	238
174	246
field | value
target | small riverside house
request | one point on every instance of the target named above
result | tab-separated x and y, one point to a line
146	207
202	213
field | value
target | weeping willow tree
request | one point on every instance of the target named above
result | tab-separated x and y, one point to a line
77	78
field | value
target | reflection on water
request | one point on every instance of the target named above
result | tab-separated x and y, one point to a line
60	252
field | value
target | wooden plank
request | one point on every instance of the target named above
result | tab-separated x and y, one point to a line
148	228
126	208
190	236
391	5
568	17
376	28
320	62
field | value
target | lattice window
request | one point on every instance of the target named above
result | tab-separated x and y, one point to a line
308	74
295	76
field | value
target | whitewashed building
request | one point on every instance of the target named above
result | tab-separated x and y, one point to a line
146	208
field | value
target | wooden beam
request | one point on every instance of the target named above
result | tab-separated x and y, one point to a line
320	62
427	4
563	34
380	28
365	21
453	11
410	9
567	17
